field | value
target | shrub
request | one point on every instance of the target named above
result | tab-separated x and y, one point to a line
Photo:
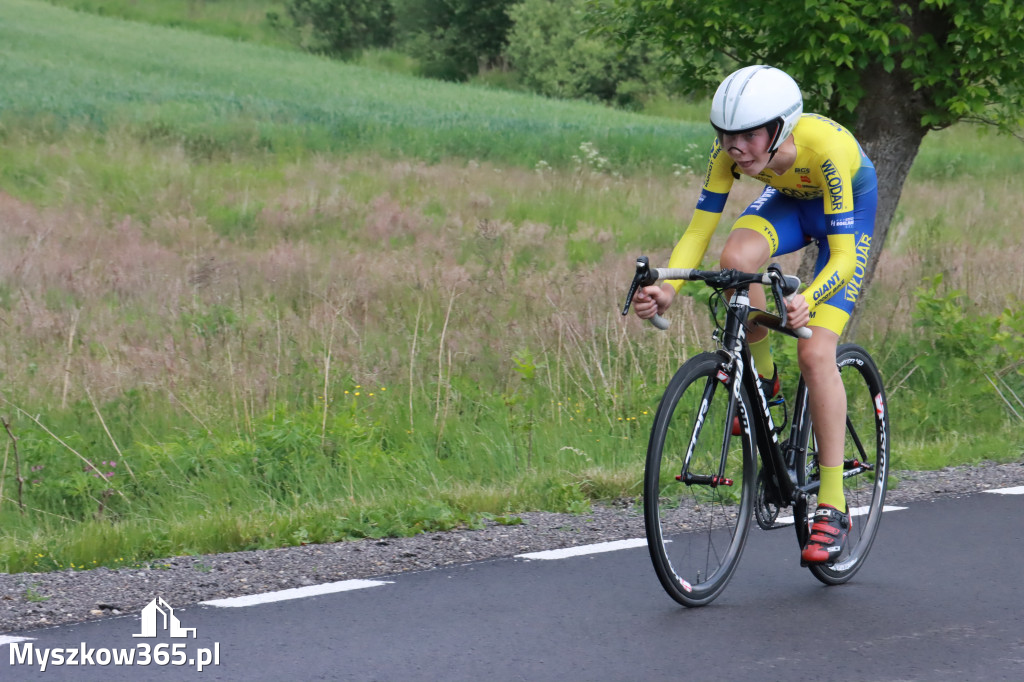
343	27
549	46
453	39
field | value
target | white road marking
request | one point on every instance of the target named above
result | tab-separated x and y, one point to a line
582	550
295	593
585	549
854	511
8	639
1019	490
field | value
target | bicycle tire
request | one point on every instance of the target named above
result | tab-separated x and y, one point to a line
696	533
868	441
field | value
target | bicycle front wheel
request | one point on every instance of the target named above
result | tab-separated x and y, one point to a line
866	463
696	531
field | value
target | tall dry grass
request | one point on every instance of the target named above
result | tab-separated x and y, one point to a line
403	322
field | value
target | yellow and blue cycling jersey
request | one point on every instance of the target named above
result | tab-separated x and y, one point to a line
829	195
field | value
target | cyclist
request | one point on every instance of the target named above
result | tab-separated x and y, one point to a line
821	187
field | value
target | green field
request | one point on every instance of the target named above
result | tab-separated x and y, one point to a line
253	297
246	20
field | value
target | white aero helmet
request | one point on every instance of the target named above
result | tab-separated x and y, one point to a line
757	96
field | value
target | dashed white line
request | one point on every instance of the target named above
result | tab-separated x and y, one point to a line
585	549
1019	490
295	593
8	639
581	550
854	511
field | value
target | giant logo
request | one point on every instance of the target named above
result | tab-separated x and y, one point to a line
825	289
759	203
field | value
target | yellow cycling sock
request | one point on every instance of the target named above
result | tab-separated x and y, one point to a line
831	490
762	352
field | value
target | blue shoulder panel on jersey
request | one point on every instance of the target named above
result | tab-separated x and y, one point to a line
865	180
712	202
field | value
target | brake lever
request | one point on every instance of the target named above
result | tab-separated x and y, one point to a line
775	274
643	277
780	283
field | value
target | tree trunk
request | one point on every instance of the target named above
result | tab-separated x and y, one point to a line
889	129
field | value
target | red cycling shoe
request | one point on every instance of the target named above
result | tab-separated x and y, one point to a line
829	529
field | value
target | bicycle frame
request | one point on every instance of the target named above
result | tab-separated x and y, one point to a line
778	461
740	371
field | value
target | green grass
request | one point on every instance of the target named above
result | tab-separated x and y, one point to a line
236	19
300	301
968	150
220	97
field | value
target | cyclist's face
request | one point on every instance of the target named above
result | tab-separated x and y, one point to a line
749	150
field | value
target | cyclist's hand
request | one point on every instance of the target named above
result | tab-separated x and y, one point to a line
798	313
648	301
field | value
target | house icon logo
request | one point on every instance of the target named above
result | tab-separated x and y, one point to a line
159	616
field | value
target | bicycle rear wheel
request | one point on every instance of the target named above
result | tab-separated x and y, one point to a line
866	463
696	532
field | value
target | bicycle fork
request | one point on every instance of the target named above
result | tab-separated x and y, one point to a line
730	373
712	480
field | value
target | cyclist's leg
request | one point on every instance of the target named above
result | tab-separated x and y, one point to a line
827	401
748	250
817	355
826	393
769	227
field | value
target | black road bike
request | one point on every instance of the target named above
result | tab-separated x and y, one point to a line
704	482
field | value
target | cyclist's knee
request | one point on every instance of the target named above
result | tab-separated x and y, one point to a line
817	355
745	250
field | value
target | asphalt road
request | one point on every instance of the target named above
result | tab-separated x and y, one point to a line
940	598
